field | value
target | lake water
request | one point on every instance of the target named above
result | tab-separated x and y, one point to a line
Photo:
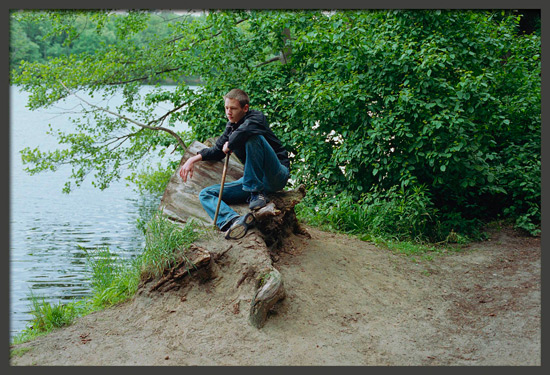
49	229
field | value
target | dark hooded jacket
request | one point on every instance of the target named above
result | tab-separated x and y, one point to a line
253	123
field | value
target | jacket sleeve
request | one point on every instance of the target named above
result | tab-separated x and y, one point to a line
215	152
255	125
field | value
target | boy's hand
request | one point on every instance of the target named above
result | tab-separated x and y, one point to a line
226	148
187	168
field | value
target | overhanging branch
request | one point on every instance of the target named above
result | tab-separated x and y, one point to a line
168	70
143	126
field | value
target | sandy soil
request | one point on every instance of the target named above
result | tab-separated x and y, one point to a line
348	303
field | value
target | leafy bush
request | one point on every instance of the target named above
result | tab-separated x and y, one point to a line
434	100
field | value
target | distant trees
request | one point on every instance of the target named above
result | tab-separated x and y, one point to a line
445	104
38	36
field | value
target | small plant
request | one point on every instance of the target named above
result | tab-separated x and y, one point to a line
262	279
113	279
47	316
457	238
19	352
165	243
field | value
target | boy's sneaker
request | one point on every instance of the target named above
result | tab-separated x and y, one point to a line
257	200
239	227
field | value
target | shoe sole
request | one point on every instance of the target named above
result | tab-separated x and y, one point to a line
239	231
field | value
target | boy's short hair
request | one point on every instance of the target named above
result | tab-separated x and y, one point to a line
240	95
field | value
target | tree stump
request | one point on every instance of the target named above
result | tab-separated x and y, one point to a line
246	266
277	220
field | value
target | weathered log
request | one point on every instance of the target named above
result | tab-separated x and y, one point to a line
180	200
248	268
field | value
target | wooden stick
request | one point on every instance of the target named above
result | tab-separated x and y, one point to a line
221	187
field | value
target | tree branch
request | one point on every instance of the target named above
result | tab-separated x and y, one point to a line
120	140
143	126
167	70
202	40
283	56
273	59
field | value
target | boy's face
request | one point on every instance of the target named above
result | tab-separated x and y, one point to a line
233	110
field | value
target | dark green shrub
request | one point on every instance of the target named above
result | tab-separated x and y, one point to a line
403	214
448	100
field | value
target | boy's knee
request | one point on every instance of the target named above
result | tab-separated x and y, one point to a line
207	192
255	141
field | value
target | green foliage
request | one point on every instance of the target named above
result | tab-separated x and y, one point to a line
48	316
165	243
37	36
401	214
416	251
113	279
152	180
100	142
373	102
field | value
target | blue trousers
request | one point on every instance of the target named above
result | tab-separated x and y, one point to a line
262	172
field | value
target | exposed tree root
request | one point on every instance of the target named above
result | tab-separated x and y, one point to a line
195	259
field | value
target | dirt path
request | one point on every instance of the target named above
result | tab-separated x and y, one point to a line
348	303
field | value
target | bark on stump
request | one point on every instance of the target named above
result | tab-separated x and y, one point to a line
246	264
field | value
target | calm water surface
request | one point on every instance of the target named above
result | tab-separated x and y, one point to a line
49	230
